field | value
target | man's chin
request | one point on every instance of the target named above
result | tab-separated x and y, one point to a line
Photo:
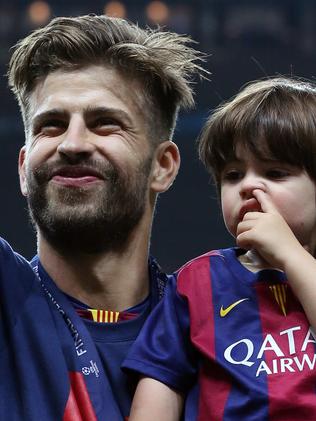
72	203
63	195
77	234
73	219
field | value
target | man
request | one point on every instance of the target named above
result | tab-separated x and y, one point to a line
99	99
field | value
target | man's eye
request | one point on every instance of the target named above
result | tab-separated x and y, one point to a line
105	122
51	128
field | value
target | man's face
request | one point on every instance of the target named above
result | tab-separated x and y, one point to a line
86	166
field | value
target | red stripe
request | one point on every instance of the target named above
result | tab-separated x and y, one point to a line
79	406
291	394
214	381
194	283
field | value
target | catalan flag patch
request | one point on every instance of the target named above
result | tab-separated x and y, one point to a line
104	316
279	293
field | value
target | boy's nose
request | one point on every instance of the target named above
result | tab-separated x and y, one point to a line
250	183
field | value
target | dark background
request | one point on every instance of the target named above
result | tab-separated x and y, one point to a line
245	40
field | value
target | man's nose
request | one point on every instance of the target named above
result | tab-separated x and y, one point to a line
76	140
249	183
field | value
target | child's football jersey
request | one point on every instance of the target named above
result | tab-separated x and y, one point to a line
237	342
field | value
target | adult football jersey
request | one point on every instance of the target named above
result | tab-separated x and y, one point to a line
54	365
242	336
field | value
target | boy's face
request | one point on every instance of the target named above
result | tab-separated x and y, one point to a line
289	188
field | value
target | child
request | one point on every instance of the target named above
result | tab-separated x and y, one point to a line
236	322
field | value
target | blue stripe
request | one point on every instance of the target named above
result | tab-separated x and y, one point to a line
248	398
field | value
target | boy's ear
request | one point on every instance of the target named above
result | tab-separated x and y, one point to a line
165	166
23	184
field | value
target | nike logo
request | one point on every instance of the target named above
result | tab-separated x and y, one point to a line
224	311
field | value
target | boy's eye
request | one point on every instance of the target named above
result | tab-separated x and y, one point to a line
277	173
232	175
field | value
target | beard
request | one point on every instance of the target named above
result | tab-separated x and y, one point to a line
88	220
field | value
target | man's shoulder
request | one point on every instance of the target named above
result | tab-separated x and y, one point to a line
8	255
5	247
16	274
158	279
17	282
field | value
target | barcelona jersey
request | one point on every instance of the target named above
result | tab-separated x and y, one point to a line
54	364
237	343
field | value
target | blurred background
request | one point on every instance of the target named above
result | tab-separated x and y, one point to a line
245	40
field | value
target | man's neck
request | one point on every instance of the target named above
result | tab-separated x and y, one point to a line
110	281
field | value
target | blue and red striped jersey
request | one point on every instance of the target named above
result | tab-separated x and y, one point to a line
55	365
236	342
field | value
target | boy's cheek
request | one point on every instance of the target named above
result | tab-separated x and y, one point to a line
230	223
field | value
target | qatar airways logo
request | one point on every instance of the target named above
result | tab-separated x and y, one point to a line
245	353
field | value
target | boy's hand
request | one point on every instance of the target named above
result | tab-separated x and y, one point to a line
268	233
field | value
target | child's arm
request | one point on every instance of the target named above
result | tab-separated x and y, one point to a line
268	233
154	400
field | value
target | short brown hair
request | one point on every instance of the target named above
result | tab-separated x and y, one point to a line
162	61
274	118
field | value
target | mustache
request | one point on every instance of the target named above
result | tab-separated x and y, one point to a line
82	167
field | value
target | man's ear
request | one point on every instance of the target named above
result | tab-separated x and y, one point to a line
165	166
23	184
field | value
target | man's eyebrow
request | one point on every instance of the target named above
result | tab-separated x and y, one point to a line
88	113
49	114
107	111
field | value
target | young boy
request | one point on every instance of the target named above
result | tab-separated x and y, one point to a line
236	322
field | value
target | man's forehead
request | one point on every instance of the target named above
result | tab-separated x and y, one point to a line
79	89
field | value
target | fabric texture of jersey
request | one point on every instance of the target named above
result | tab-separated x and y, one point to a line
243	335
53	364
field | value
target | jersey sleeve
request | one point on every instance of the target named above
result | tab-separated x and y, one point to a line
16	282
163	350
